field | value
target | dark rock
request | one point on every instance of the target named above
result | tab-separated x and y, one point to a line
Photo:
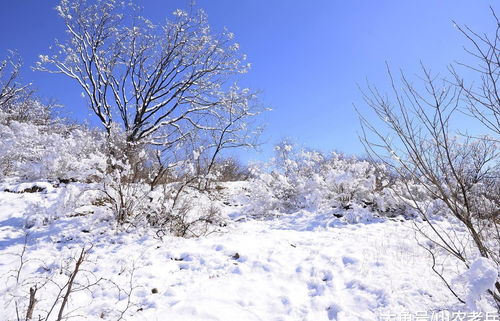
33	189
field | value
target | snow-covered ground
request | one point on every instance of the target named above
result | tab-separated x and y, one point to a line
303	266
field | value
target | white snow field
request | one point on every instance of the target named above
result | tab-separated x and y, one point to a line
302	266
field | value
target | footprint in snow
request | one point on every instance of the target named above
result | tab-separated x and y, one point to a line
372	297
327	276
347	260
332	311
236	270
315	289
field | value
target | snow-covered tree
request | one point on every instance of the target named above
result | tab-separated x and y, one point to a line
10	88
158	82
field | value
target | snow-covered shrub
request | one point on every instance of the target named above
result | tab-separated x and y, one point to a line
229	169
124	188
59	202
136	198
305	179
174	208
33	150
125	198
359	214
24	108
184	213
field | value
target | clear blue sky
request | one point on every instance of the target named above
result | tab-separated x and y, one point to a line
307	56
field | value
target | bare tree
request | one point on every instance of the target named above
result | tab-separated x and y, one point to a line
460	170
455	170
482	100
232	130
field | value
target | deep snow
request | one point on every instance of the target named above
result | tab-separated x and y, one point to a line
303	266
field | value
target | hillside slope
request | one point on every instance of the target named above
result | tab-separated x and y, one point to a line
303	266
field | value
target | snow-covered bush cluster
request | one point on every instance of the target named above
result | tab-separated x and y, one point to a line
34	146
305	179
139	190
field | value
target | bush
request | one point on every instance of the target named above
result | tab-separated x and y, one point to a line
305	179
32	149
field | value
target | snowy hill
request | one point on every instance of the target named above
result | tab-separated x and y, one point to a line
301	266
